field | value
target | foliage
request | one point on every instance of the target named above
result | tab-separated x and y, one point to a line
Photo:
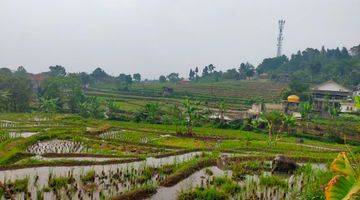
345	185
99	75
173	77
203	194
113	111
222	106
137	77
66	90
246	70
313	188
334	110
92	107
162	79
57	70
273	181
274	120
152	112
357	102
177	117
191	113
15	91
305	110
315	66
48	105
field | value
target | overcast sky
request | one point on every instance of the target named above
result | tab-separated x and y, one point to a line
157	37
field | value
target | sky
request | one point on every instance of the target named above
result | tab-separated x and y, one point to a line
155	37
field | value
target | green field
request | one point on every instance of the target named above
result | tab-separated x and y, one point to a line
240	94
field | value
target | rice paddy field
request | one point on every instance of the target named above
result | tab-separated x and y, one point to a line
240	94
65	156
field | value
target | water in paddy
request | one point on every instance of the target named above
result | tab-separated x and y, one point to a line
251	187
39	177
196	179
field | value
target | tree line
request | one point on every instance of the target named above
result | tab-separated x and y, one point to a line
54	90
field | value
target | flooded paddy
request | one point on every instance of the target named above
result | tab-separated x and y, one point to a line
56	146
264	185
104	180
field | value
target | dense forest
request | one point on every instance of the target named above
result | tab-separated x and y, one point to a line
315	66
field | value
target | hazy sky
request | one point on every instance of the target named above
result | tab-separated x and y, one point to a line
156	37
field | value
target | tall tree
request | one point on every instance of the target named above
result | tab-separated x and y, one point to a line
355	51
211	68
191	75
99	74
205	71
137	77
173	77
57	70
162	79
196	72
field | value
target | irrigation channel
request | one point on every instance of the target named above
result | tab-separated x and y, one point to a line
106	181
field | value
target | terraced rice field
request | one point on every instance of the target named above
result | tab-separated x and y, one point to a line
70	157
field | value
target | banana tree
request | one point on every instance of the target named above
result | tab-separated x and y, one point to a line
222	111
345	185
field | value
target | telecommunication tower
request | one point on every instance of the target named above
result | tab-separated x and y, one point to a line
280	37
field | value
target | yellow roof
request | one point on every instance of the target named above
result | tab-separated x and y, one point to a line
293	99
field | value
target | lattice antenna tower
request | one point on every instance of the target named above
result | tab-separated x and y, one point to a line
280	37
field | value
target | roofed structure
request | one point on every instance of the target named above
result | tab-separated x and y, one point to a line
329	93
331	86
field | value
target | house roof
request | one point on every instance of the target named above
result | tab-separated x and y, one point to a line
331	86
39	78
